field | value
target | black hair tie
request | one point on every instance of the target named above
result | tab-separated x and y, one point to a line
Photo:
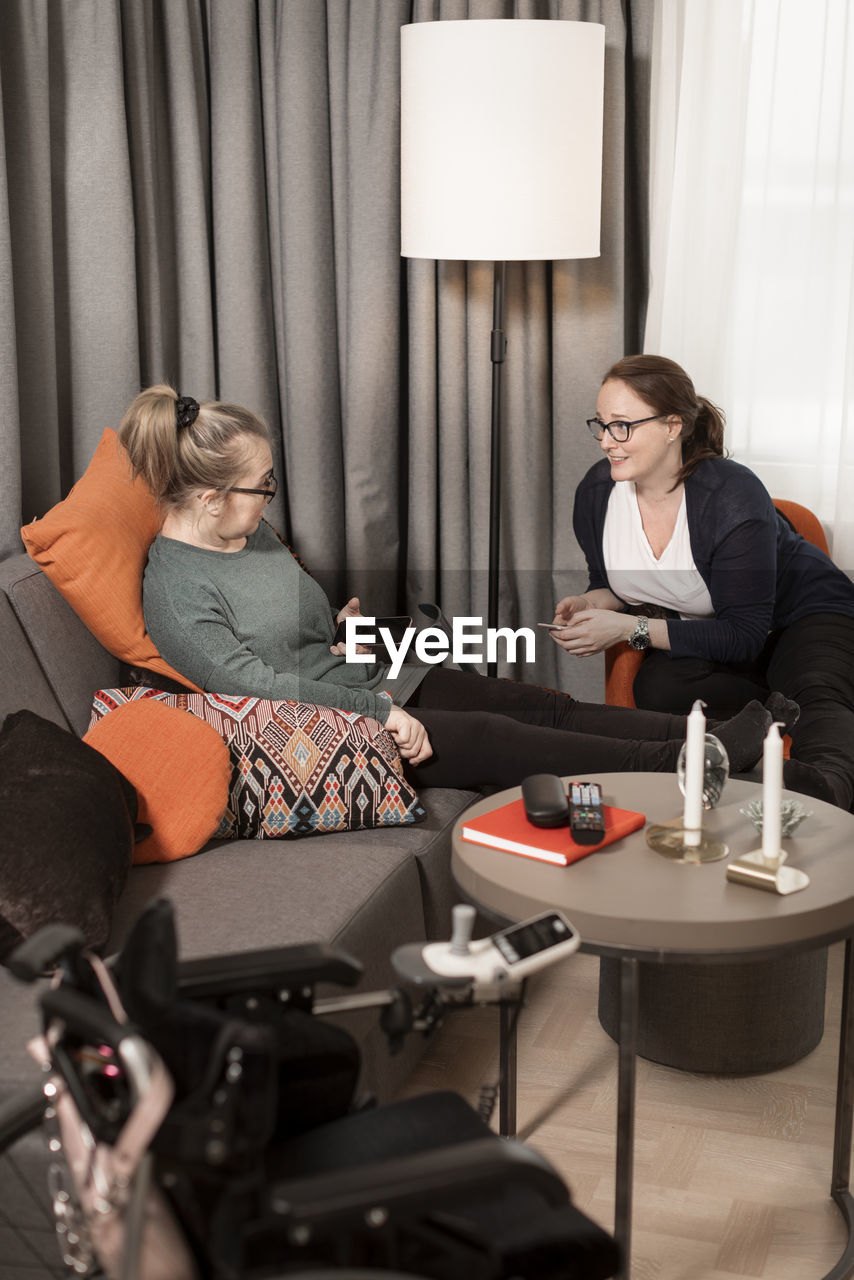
186	412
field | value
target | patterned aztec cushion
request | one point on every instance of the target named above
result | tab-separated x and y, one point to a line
296	769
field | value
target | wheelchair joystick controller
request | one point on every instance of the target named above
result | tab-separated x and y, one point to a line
487	964
461	972
463	922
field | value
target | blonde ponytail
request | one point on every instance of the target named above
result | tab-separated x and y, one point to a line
179	446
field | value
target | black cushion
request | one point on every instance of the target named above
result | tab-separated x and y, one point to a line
66	832
510	1222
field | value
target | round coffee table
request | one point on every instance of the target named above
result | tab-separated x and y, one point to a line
630	903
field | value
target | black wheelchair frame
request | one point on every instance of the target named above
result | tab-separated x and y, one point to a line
334	1185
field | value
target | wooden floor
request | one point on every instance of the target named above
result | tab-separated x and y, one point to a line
732	1175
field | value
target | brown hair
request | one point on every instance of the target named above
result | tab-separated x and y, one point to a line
175	460
666	387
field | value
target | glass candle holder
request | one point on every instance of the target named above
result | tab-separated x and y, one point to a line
715	770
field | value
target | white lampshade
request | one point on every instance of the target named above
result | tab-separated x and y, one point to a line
501	139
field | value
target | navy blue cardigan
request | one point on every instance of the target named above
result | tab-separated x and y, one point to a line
760	574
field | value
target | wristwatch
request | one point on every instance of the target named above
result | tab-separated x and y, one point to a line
639	639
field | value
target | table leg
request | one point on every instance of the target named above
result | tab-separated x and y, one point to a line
626	1112
841	1178
508	1020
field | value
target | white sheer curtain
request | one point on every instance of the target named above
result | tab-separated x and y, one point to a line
752	234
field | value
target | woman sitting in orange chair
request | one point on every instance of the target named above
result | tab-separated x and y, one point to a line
726	600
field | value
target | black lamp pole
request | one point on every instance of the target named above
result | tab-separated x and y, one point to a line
500	154
497	350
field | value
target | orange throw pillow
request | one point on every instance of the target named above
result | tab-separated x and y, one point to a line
180	767
93	546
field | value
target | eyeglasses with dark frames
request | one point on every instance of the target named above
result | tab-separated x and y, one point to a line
268	494
619	431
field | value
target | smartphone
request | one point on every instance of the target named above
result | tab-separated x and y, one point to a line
396	626
552	626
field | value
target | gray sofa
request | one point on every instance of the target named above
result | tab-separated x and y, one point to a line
366	891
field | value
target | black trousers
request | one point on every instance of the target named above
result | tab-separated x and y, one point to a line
811	661
489	734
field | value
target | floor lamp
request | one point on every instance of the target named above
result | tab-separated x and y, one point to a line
501	159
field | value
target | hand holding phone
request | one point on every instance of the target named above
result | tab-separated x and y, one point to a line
396	627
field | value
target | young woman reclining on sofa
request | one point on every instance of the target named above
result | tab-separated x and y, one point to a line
229	606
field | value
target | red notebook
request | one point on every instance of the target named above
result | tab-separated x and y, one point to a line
508	828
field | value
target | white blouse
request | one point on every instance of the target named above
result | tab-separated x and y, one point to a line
636	575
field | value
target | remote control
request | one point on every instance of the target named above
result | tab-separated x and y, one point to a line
586	820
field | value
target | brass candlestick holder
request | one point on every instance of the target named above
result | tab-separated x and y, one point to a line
681	844
672	839
768	873
759	872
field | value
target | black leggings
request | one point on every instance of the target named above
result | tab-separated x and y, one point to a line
489	734
811	661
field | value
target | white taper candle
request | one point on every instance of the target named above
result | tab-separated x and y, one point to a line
695	753
772	793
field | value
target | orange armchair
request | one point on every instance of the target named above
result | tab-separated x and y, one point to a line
621	662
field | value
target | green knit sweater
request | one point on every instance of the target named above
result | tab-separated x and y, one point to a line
253	622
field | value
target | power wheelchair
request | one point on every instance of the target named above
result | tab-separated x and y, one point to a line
203	1123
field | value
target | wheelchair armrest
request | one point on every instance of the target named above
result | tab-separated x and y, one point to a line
85	1018
404	1185
47	948
273	969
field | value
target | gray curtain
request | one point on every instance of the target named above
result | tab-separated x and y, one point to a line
206	191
